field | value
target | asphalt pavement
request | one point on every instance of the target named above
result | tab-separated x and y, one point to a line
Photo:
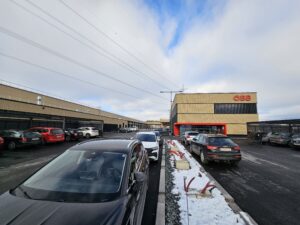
266	183
18	165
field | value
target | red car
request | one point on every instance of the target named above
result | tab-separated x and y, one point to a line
1	143
50	134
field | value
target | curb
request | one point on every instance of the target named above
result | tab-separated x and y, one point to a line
160	211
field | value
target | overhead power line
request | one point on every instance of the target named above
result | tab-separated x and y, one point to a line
114	41
59	55
68	76
108	55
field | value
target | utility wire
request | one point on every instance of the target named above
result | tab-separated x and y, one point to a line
110	56
114	41
59	55
67	75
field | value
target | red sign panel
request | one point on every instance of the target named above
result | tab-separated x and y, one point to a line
242	98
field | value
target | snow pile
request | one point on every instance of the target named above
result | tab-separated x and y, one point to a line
206	208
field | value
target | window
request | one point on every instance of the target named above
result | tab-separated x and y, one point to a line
235	108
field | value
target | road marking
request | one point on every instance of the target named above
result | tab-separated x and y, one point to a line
256	160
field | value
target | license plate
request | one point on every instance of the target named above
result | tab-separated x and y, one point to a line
59	136
35	139
225	149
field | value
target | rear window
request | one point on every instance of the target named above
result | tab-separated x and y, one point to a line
220	141
146	137
57	131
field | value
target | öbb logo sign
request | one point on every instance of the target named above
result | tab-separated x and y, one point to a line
242	98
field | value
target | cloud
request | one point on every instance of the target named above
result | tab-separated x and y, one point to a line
211	46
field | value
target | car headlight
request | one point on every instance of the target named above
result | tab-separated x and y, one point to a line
155	148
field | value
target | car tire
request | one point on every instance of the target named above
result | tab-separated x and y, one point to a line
88	136
68	138
11	146
203	159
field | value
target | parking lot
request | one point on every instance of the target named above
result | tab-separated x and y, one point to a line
265	184
17	165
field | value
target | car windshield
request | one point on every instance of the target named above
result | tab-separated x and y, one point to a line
221	141
146	137
193	133
77	176
285	134
296	136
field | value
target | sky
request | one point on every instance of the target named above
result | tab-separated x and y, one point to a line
118	55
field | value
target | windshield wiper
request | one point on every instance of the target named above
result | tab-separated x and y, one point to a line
25	193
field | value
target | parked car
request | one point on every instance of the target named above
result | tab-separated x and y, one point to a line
150	143
265	139
14	139
50	134
99	182
73	135
188	136
280	138
214	147
1	144
295	141
89	132
159	138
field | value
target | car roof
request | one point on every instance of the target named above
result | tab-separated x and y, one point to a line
214	135
146	132
117	145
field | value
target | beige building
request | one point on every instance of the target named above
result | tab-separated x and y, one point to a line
226	113
156	124
20	109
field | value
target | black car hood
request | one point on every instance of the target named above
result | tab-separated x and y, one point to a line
21	211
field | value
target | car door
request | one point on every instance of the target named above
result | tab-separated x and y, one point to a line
196	144
193	144
133	191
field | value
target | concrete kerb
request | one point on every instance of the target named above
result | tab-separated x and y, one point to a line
160	211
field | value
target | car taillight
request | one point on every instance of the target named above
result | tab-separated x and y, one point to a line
209	147
24	140
237	148
188	136
1	140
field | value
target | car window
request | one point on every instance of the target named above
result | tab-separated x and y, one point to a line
193	133
57	131
88	175
146	137
220	141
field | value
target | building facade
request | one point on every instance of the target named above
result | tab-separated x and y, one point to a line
22	109
226	113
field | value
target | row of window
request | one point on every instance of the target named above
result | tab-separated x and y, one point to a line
235	108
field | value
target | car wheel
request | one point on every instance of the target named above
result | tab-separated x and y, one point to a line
11	146
203	159
88	136
68	138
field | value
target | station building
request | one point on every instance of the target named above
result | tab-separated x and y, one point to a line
226	113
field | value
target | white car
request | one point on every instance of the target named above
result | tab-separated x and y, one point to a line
150	143
89	132
188	137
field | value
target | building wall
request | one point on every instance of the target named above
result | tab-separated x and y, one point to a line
19	100
199	108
